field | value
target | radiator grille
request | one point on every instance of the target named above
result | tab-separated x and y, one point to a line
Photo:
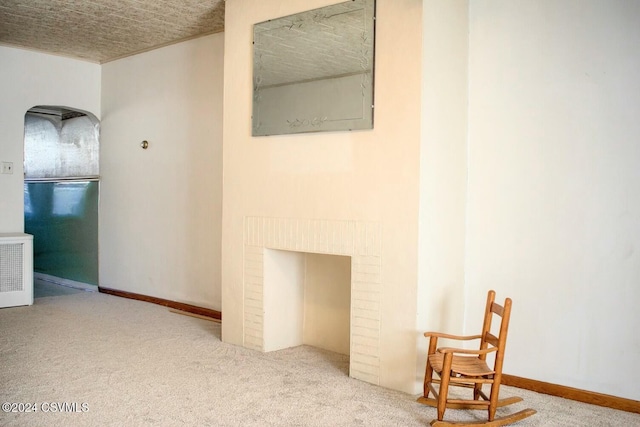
11	267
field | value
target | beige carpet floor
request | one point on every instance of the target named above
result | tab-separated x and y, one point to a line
118	362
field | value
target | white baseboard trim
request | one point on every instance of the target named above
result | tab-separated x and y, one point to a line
64	282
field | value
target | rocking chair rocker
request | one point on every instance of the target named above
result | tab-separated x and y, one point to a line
467	368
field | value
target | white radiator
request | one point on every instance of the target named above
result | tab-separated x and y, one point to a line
16	269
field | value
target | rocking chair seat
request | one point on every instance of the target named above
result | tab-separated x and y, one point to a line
464	365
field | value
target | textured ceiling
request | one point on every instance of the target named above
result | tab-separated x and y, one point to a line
104	30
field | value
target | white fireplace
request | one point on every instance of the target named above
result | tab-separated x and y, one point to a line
278	253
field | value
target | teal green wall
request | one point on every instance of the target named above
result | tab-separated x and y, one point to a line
63	219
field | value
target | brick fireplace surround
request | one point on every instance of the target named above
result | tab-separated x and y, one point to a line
356	239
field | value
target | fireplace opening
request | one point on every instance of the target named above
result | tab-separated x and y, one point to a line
307	300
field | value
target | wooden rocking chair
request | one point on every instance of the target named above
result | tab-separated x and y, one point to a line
468	368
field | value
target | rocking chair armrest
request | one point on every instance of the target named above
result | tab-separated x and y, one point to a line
466	351
453	337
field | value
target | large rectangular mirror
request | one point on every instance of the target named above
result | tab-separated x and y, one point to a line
313	71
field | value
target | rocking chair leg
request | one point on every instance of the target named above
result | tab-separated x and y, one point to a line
444	385
442	396
428	377
477	388
493	399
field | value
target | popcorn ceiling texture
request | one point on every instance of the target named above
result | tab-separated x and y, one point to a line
104	30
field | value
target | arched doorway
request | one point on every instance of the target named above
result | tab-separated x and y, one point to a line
61	190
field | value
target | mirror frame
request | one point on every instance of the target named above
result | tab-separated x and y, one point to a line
314	102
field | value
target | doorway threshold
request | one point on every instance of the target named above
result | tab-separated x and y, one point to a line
64	282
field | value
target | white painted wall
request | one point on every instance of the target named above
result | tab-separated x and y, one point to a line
28	79
365	175
554	186
443	173
160	210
